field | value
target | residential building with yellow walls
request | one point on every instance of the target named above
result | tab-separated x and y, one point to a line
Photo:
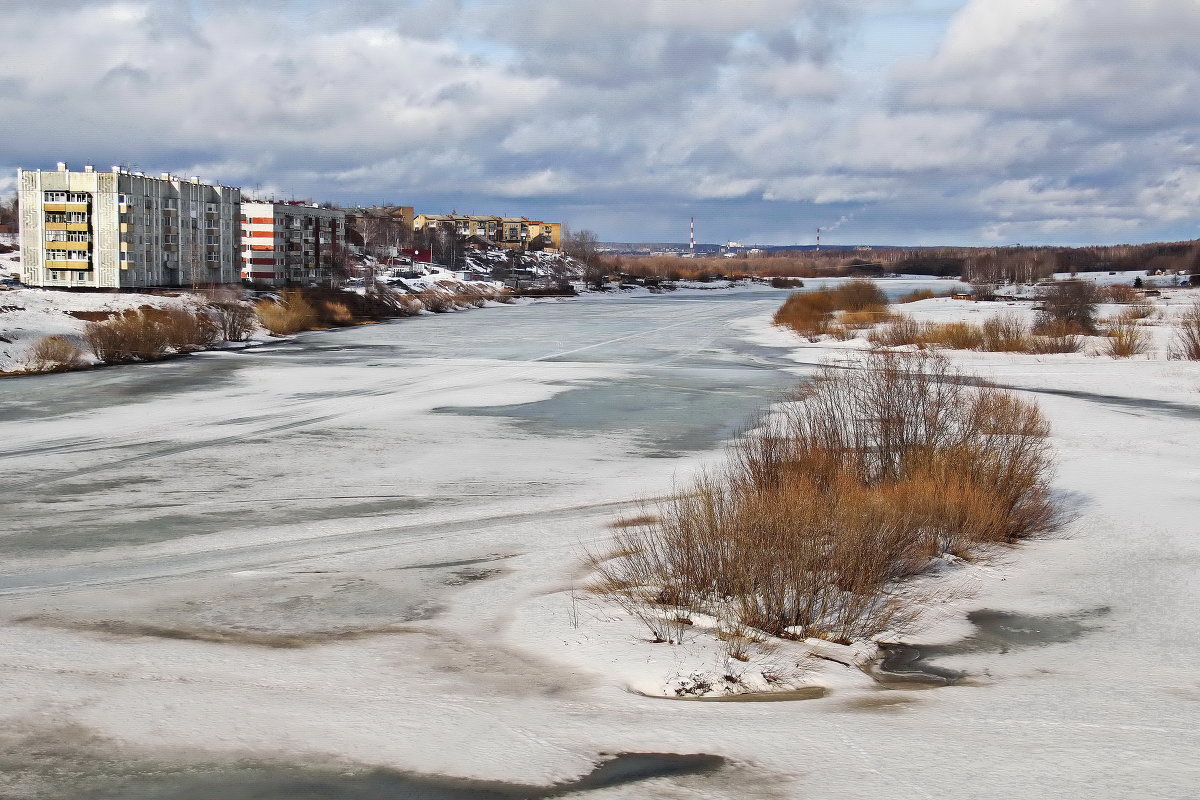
504	231
119	229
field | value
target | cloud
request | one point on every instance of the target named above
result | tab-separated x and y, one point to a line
1060	119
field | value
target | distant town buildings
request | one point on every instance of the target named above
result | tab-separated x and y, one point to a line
118	229
512	232
123	229
291	243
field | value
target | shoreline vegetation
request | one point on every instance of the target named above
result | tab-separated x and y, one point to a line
149	333
831	520
819	520
1067	322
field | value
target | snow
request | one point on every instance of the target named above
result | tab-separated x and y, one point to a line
27	315
316	486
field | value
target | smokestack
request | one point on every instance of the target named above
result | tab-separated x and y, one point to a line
693	235
818	238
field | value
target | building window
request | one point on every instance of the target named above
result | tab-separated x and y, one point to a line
79	197
55	197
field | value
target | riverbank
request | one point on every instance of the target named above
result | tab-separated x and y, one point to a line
1123	431
387	522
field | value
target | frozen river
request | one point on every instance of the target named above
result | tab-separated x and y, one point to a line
294	572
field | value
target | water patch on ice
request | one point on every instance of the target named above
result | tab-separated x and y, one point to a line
72	762
665	411
908	665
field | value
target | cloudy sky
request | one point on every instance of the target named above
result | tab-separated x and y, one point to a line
883	121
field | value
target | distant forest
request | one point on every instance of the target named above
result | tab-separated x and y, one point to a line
978	265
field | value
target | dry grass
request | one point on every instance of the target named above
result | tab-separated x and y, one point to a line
811	313
1186	345
336	313
1135	311
902	332
1005	333
1125	339
856	485
435	301
922	294
290	313
1001	334
148	334
186	330
55	354
128	337
957	336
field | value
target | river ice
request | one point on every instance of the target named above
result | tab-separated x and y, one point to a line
358	551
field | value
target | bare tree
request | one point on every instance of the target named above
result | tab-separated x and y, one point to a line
1071	302
583	246
10	211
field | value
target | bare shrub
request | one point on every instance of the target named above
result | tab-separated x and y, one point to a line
1186	345
234	320
55	354
1072	301
289	314
1118	293
185	330
131	336
859	295
1125	339
855	485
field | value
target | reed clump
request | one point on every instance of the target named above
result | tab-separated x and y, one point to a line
1005	333
289	313
811	313
1124	338
55	354
855	485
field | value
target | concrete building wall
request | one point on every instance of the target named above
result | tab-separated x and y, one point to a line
291	244
117	229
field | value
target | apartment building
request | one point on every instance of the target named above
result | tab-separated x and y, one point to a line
122	229
290	244
505	231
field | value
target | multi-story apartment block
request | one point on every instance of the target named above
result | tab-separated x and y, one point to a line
291	243
504	231
119	229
